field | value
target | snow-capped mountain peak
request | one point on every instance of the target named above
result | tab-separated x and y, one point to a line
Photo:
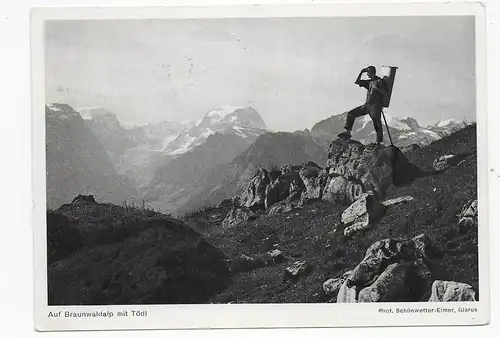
446	122
404	131
391	121
61	111
224	116
239	120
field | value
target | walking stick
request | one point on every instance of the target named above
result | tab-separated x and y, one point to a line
387	126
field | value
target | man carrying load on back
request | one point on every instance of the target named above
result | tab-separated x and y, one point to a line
376	89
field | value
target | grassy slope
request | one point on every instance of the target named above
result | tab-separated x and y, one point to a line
133	256
306	234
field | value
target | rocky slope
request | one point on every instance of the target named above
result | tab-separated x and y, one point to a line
77	162
270	150
174	183
393	229
128	256
429	225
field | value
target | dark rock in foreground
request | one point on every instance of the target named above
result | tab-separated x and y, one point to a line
152	259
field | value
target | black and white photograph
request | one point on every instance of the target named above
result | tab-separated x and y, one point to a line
262	160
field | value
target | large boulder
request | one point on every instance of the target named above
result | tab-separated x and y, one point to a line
347	293
331	287
392	270
287	184
254	194
284	206
297	269
364	212
443	162
378	256
275	256
339	189
237	216
449	291
374	167
390	286
344	157
468	217
424	247
314	179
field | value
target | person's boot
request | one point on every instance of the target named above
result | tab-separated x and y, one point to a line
345	135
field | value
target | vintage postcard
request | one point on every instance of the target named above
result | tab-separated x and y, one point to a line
260	166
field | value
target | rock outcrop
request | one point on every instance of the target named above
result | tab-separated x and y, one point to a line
283	189
397	200
468	217
341	190
83	199
389	287
247	263
443	162
449	291
284	206
297	269
237	216
363	213
254	195
365	168
314	179
392	270
332	286
352	169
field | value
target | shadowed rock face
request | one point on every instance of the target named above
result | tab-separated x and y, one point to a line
284	189
373	167
392	270
351	170
450	291
361	214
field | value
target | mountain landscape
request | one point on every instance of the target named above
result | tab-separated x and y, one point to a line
176	167
136	152
244	122
404	131
215	140
76	161
355	223
270	150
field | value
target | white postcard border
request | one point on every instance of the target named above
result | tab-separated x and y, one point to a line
251	315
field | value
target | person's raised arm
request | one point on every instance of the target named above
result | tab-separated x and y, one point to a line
359	76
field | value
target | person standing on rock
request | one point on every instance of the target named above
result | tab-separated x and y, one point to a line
376	89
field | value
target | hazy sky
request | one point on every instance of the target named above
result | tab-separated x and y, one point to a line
293	71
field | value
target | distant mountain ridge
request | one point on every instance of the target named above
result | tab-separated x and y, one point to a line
270	150
179	166
404	131
245	122
175	181
77	163
222	134
135	152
